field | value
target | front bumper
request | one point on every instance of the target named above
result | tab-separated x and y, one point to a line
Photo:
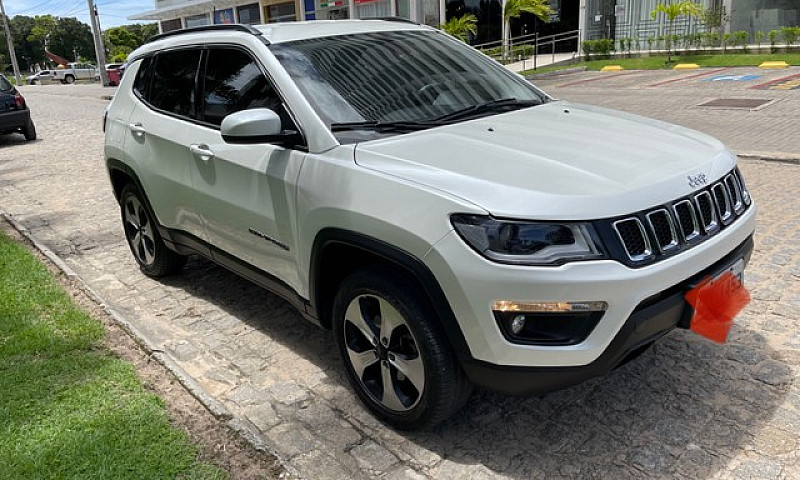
472	284
650	320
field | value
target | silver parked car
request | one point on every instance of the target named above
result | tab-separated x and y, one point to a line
39	77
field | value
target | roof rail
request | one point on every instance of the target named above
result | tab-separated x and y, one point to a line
238	27
393	19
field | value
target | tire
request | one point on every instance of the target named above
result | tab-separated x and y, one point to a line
154	258
430	386
69	79
29	130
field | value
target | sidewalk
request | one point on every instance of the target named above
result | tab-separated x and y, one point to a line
541	60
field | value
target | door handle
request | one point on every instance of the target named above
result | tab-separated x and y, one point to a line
201	151
137	129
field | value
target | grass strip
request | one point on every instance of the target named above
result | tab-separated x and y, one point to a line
70	408
659	62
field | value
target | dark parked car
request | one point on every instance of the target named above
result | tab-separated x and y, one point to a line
14	113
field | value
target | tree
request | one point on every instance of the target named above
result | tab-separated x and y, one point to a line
462	27
121	41
673	11
515	8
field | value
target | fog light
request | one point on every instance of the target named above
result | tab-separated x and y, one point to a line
547	323
517	324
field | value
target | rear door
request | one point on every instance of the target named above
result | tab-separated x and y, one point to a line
160	130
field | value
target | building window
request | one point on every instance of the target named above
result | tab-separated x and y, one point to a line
170	25
332	10
196	21
248	14
373	8
281	12
404	8
224	16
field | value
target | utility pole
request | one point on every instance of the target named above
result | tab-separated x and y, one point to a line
10	41
99	50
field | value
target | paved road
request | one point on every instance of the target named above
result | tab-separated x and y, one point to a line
675	96
685	409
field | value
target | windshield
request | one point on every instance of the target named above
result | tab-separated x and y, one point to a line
399	76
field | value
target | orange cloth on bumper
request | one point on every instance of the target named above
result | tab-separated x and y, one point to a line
716	303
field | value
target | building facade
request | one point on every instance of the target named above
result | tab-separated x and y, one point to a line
593	18
631	18
176	14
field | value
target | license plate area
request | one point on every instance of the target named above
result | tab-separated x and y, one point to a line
717	300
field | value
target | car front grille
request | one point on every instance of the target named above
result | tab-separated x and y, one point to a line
652	234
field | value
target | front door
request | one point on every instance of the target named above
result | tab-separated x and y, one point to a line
246	193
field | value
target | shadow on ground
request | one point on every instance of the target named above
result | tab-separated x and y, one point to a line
685	407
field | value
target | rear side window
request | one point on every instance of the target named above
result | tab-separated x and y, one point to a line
233	82
173	86
141	85
5	85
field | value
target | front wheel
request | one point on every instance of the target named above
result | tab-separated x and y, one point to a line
69	79
152	255
396	356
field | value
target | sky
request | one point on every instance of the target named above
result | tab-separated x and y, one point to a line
112	12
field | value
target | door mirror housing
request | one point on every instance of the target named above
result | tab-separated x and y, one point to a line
257	125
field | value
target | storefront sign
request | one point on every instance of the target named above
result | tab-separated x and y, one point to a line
336	3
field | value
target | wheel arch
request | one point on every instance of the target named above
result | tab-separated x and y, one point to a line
336	253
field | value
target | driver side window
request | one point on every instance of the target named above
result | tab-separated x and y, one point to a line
233	82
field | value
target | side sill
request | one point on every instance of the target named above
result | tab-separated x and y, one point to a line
187	244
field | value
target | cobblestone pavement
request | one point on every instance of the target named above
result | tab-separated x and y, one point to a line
674	96
685	409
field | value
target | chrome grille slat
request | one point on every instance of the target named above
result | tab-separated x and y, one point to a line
735	193
660	231
745	191
723	202
663	228
707	212
687	219
637	248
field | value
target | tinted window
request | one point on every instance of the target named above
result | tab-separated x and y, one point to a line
141	85
5	85
234	82
173	87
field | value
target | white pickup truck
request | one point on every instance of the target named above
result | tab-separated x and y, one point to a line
75	71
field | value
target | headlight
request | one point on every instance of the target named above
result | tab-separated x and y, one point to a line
529	243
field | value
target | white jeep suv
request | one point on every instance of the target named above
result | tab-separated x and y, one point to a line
450	222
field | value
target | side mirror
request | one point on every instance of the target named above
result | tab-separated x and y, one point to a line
258	125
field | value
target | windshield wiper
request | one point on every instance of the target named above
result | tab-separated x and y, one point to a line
380	126
487	107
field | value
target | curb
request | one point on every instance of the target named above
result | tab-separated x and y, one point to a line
555	73
241	426
792	158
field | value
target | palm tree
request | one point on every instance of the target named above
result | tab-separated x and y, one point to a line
673	11
515	8
461	27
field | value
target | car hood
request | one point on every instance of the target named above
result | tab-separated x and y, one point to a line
560	160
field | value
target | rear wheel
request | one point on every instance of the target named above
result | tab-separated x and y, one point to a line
29	130
152	255
395	354
69	79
